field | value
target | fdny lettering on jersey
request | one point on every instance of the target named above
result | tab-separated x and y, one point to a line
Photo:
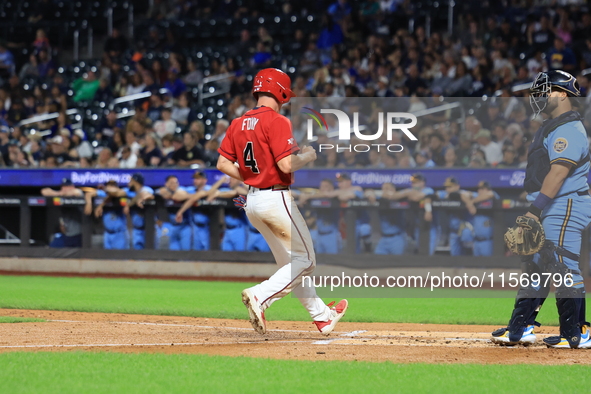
257	141
249	123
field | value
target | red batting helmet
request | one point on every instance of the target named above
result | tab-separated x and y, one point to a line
275	82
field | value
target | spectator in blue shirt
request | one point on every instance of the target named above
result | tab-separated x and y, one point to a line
174	84
262	56
46	66
339	10
330	35
423	159
6	61
560	57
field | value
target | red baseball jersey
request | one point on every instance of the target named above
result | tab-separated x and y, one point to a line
257	141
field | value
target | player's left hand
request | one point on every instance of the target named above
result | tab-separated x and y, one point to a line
98	211
111	189
531	215
310	152
371	197
240	201
527	237
212	196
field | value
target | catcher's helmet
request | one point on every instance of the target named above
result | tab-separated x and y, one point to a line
275	82
545	82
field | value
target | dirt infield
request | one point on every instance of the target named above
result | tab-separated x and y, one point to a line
399	343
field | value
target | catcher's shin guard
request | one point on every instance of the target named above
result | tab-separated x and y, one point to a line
528	303
524	314
571	304
569	300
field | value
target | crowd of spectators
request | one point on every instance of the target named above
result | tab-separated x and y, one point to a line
487	139
356	49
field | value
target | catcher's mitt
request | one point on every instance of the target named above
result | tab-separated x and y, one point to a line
526	237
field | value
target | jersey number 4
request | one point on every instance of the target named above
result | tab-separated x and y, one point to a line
249	159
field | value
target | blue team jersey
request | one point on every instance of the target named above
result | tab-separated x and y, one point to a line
137	215
456	217
327	220
172	214
427	191
199	217
181	188
114	220
495	196
568	144
442	194
103	194
482	221
391	221
132	194
235	219
193	189
362	215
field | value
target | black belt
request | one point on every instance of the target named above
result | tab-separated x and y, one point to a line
583	193
274	187
391	235
481	239
116	231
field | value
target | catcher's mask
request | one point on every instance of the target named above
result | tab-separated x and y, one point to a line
544	83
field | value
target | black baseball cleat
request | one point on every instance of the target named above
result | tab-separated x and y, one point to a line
501	336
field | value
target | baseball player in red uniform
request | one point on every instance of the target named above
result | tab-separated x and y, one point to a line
260	150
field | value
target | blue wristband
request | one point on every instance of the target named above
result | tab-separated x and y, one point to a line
539	204
541	201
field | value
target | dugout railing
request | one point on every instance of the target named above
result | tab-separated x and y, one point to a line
35	212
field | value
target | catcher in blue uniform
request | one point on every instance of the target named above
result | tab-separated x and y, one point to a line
549	235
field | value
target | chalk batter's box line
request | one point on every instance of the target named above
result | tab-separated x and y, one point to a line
335	341
145	344
177	325
345	338
342	333
313	342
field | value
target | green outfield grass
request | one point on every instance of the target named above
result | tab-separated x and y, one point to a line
10	319
222	300
79	372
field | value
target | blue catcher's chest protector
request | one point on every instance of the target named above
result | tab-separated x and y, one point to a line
538	160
